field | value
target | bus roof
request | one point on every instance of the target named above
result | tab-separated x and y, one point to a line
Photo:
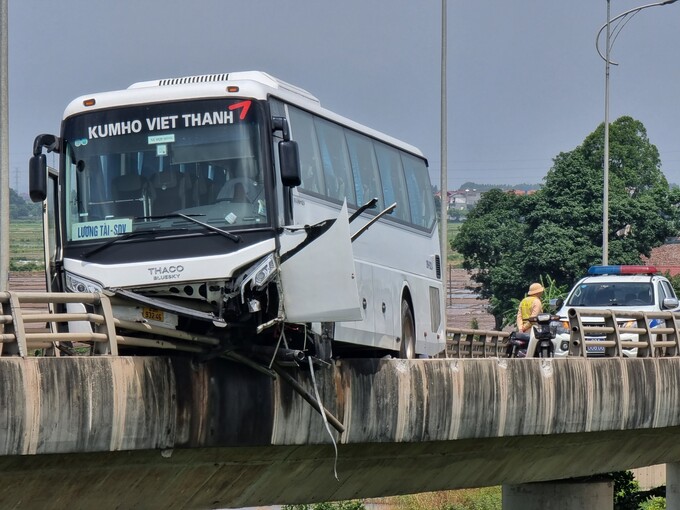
255	84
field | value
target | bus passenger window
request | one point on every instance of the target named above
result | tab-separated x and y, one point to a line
392	178
302	131
364	168
335	160
419	191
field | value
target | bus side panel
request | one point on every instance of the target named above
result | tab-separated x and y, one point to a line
364	330
387	285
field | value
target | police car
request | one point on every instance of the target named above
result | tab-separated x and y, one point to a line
617	288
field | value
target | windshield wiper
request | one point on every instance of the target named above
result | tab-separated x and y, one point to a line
128	235
224	233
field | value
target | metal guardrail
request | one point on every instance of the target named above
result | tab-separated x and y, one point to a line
15	339
475	343
30	321
652	340
21	312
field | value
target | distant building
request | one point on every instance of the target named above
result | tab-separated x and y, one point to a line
464	199
521	192
666	257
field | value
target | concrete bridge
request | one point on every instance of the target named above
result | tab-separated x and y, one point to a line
169	432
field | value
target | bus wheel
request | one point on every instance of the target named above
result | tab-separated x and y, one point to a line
407	349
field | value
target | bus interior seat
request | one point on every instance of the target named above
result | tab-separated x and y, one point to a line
129	193
203	187
170	191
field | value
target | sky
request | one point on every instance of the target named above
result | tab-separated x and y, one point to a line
524	78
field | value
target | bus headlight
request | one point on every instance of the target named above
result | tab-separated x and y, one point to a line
264	272
79	284
259	275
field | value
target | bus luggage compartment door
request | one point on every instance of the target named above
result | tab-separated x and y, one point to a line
318	277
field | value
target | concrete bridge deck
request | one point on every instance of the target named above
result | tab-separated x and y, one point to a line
167	432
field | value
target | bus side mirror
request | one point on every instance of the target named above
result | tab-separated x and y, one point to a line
290	163
37	178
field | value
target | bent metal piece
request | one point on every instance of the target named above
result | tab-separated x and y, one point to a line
171	307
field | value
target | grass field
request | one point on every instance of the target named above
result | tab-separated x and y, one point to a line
25	245
454	258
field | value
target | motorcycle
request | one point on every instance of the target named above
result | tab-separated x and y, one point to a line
517	345
537	343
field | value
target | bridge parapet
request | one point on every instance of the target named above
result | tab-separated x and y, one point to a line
126	403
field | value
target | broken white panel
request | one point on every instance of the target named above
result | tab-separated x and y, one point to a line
319	281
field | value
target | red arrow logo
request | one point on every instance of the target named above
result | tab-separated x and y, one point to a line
245	105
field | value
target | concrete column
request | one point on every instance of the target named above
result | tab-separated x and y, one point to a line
560	495
673	485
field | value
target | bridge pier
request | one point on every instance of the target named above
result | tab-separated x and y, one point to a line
673	485
560	495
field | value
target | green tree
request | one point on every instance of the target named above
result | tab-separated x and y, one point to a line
490	241
511	241
20	209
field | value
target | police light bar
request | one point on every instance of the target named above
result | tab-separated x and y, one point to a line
599	270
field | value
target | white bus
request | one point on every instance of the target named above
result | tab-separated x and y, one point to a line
234	206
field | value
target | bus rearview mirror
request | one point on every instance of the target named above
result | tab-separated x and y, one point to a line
290	163
37	178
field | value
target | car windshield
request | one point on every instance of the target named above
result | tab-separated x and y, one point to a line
145	166
606	294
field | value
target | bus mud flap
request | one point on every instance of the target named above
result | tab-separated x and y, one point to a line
318	278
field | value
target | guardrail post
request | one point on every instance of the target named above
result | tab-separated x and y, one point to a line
108	328
674	337
17	327
481	345
610	322
464	346
577	338
650	350
5	316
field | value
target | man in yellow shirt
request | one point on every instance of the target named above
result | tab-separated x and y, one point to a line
529	307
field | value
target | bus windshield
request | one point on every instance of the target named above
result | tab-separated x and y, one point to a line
146	166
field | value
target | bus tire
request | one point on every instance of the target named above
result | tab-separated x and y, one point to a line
407	349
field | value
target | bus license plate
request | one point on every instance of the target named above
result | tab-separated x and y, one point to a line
153	314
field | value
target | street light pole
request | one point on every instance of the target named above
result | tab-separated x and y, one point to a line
444	202
622	18
605	191
4	149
